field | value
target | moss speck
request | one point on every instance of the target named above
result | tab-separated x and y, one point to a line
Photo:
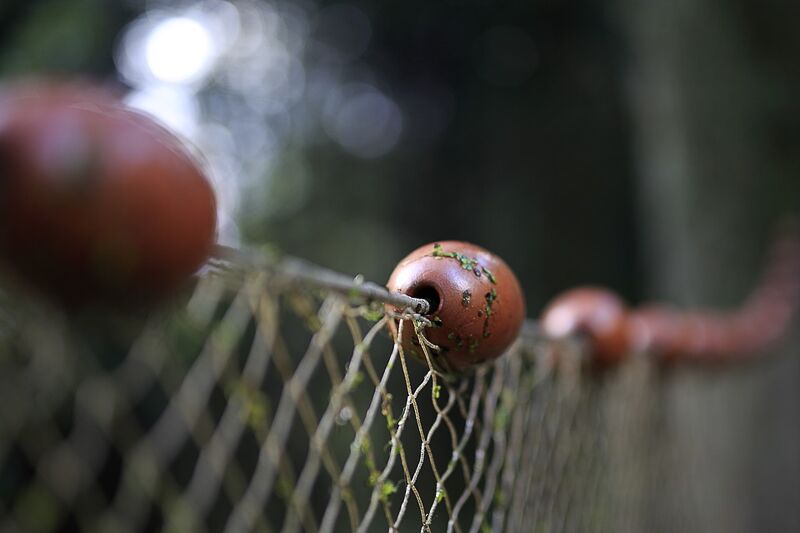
491	298
467	263
387	489
453	337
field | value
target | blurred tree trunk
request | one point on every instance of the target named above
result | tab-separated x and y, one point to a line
711	187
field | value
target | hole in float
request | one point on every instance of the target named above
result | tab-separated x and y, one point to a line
429	293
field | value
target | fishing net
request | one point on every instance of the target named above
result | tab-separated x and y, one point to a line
261	404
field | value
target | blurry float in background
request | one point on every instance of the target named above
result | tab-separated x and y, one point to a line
249	83
98	203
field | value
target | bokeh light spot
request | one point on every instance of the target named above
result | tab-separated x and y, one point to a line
366	123
179	50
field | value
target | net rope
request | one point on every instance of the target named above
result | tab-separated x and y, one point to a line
275	399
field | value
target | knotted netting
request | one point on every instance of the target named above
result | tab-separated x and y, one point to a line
259	404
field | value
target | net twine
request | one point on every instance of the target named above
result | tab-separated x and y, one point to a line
213	416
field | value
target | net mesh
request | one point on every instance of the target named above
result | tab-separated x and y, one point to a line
265	406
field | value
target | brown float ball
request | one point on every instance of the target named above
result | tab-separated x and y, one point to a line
477	307
597	313
98	203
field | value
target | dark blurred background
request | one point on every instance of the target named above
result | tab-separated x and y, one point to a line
583	141
647	146
351	133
